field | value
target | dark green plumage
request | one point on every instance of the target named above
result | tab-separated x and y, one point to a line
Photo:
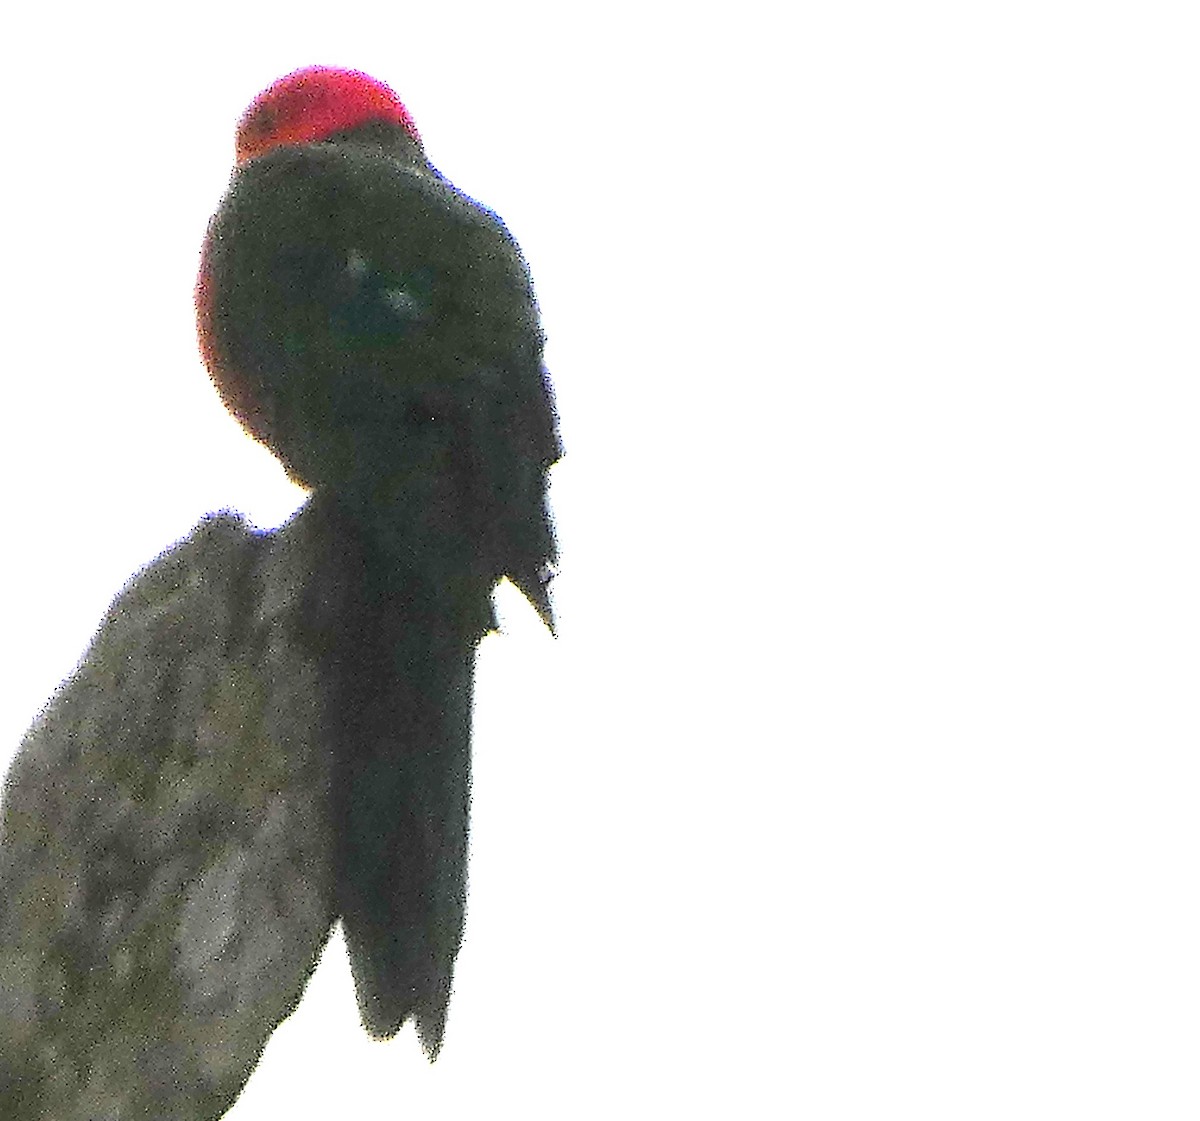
272	731
378	330
383	328
434	416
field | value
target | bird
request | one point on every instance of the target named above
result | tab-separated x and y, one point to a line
270	731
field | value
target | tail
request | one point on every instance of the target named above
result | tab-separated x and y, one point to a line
404	793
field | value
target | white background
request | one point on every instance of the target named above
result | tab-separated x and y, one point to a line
862	780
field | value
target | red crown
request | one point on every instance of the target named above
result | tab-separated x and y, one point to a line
314	103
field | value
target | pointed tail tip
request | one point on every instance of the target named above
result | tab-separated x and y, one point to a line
430	1025
537	591
546	614
430	1033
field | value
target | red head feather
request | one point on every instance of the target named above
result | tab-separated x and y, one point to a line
304	107
314	103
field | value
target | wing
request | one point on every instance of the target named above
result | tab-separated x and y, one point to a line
378	330
165	855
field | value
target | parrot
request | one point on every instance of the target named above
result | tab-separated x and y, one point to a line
270	731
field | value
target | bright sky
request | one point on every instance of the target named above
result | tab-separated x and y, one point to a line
861	781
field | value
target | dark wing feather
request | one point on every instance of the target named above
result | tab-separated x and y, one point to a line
165	855
378	330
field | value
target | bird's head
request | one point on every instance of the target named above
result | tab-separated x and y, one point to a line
378	331
319	103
